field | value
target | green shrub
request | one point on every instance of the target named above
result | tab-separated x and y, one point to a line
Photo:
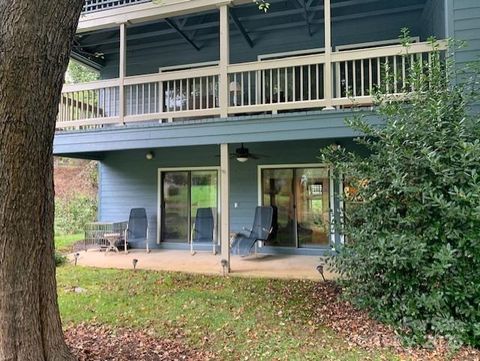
60	259
412	255
72	214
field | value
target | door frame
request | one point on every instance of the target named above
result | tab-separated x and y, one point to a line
331	207
160	196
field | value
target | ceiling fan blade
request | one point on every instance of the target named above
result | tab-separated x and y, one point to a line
257	156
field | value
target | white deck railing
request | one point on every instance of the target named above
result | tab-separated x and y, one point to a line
91	6
292	83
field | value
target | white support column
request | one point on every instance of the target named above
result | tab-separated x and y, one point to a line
225	203
223	90
328	78
122	70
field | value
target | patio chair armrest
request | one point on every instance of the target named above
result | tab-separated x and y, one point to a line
268	230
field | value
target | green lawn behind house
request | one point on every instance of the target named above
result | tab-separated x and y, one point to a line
238	318
64	243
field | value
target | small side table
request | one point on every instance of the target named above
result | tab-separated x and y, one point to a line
112	239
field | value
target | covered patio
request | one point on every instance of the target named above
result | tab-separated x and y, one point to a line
269	266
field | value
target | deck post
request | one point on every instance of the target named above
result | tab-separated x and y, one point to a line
223	94
122	71
328	78
225	203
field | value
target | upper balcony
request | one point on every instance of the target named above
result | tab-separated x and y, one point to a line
234	60
92	6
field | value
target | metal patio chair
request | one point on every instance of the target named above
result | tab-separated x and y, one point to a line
261	230
203	228
136	233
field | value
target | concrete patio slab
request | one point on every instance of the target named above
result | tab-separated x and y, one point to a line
269	266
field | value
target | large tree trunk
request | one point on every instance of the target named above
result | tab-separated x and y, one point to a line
35	42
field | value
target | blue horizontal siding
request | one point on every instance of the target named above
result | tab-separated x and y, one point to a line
464	23
128	180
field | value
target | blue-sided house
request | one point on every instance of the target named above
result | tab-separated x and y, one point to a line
215	104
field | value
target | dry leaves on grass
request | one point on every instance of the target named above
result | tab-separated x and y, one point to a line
100	343
361	330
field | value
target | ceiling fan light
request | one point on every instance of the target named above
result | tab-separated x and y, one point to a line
242	159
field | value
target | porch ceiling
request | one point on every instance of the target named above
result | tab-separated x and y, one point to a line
246	21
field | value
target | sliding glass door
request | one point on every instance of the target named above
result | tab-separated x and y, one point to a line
301	201
183	192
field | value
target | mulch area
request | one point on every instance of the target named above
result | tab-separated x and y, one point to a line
360	330
101	343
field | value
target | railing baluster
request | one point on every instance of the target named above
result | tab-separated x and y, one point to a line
264	84
161	94
301	82
285	97
235	101
194	94
241	87
249	88
137	99
379	83
109	100
294	95
309	82
271	87
208	93
354	81
181	94
370	87
278	85
346	79
395	87
148	99
201	92
362	80
387	75
188	93
175	96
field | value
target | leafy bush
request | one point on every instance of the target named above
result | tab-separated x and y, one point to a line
412	255
72	214
60	259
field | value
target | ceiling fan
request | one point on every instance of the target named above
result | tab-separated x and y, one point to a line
242	154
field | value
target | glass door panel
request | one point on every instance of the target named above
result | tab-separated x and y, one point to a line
312	195
301	201
204	193
176	207
277	191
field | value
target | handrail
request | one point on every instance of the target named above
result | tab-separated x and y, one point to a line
391	50
277	63
172	75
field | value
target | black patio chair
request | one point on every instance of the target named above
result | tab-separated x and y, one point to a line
136	233
203	228
261	230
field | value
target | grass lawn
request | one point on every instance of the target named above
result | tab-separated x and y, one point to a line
63	243
237	318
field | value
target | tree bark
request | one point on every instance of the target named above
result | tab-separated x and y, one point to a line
35	43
